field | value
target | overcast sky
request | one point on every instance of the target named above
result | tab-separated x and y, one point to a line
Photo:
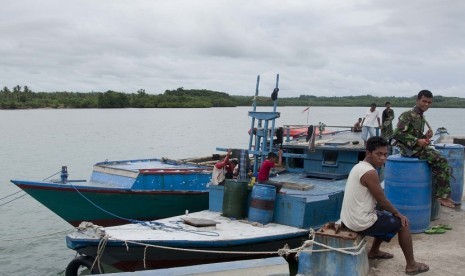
322	48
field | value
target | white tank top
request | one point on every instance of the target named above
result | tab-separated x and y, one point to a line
358	206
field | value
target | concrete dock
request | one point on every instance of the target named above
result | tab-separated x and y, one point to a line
444	253
275	266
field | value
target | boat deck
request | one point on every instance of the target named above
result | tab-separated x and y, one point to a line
344	140
173	231
147	164
312	188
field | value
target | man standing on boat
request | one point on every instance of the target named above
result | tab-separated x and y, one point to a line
386	119
368	123
414	142
363	191
223	170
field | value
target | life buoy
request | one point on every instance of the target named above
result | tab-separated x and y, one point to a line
82	261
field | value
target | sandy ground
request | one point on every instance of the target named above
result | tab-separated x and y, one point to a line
444	253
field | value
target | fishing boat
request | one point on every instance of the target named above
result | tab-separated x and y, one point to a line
243	221
129	190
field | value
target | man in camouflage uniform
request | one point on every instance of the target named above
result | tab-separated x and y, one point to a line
412	142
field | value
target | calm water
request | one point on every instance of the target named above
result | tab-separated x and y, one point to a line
36	143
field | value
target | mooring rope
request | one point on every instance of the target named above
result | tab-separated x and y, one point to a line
100	208
22	191
152	224
100	248
345	250
51	176
37	236
10	194
13	199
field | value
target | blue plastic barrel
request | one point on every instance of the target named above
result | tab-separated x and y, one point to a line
454	155
262	203
407	184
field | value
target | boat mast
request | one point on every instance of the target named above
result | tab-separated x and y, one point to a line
261	148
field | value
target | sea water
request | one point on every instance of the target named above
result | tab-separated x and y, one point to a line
34	144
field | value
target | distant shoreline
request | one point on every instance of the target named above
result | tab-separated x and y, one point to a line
180	98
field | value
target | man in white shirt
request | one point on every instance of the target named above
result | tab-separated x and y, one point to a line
368	123
363	191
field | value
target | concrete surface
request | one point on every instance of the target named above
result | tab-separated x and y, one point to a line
275	266
444	253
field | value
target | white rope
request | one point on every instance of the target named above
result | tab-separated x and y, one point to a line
200	250
281	252
145	255
100	248
85	225
360	247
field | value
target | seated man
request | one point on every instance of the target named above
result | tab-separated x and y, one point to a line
223	170
357	126
267	165
414	142
363	191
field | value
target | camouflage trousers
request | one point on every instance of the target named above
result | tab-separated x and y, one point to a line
440	168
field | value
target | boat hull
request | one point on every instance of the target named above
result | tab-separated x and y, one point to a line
135	258
108	207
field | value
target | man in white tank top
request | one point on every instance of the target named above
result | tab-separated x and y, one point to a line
363	191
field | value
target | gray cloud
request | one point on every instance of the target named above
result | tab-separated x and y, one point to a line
325	47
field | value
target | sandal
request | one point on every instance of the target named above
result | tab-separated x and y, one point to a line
420	269
443	226
382	255
435	231
446	202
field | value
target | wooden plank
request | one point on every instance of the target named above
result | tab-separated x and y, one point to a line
293	186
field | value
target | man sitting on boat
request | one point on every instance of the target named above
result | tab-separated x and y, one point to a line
357	126
223	170
271	161
363	191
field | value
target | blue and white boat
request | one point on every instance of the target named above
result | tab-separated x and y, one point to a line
119	192
312	179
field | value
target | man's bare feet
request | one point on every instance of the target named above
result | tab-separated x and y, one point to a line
447	202
417	269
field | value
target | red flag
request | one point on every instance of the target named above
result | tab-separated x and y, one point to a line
305	109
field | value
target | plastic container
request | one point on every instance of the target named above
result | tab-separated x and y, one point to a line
407	184
235	199
262	203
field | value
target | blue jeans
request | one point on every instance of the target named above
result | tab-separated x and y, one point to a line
367	132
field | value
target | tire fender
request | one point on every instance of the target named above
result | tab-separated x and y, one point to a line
82	261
